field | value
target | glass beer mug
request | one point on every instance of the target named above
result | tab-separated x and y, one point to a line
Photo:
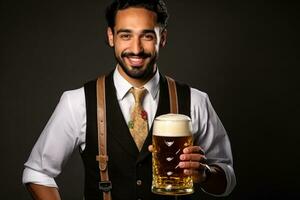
171	134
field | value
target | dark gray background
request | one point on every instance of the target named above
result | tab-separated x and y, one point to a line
243	54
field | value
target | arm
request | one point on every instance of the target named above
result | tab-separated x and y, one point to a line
55	145
40	192
215	183
211	147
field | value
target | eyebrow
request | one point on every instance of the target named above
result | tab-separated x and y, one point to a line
148	31
124	31
130	31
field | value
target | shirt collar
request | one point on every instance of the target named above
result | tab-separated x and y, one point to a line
123	86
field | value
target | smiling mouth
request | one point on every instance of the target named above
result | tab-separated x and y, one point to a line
135	61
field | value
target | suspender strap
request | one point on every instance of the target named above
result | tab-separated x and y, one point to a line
104	185
172	95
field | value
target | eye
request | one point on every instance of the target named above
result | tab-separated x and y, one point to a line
149	37
125	36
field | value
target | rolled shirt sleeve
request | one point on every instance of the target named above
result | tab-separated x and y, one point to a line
62	134
210	134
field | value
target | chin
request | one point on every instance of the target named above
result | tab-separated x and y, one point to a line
136	75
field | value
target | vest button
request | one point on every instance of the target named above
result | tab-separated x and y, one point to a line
139	182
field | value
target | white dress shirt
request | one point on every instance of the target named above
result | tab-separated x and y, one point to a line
66	131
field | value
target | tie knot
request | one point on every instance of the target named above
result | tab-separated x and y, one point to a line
138	94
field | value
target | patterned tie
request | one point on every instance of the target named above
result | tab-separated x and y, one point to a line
138	125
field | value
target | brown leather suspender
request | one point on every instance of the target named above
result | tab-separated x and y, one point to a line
172	95
105	184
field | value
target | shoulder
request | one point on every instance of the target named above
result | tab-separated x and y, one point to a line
72	106
195	93
75	94
74	98
199	100
198	95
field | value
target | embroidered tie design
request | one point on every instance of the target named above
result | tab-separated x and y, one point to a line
138	125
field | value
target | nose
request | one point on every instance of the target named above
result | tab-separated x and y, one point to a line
137	46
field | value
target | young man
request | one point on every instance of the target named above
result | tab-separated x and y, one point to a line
136	30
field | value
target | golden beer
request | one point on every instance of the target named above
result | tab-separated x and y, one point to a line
171	134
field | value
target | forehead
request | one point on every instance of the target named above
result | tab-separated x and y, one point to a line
135	18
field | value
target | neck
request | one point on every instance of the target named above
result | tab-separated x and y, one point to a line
136	82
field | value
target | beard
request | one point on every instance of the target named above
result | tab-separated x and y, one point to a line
137	72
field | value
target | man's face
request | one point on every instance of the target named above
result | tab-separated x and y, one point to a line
136	40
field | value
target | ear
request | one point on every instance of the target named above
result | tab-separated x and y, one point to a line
110	36
163	38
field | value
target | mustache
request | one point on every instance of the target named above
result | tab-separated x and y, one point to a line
140	54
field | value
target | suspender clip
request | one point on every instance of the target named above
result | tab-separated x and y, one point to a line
105	186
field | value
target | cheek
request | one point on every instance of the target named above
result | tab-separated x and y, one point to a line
117	52
151	47
124	48
119	48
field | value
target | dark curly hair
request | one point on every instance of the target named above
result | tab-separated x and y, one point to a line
157	6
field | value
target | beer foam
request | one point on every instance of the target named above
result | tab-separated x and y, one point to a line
172	125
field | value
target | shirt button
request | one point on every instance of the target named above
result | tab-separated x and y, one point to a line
139	182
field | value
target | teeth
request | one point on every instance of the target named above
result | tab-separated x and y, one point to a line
135	59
